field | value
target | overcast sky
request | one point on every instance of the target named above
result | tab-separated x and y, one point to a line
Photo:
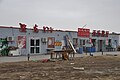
62	14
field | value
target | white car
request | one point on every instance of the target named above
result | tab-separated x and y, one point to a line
14	52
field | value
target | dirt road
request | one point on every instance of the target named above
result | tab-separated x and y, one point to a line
39	57
84	68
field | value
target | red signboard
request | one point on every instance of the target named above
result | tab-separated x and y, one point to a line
82	32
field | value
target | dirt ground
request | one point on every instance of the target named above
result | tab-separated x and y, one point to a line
81	68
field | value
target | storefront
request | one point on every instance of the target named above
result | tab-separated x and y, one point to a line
40	41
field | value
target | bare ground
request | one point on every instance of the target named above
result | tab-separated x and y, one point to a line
84	68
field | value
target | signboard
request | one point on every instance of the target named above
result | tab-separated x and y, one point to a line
35	28
82	32
22	42
51	41
98	33
58	45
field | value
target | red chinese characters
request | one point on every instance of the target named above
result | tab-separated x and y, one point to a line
45	28
22	27
35	29
82	32
103	33
100	33
94	33
51	29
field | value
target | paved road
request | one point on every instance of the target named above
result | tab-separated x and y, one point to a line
39	57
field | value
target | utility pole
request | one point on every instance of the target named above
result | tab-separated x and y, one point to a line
84	25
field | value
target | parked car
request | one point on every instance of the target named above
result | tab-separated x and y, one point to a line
14	51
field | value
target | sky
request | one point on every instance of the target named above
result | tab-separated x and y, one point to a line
62	14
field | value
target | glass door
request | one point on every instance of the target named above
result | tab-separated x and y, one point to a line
37	46
34	46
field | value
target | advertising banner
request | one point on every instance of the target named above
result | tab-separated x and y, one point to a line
22	42
51	42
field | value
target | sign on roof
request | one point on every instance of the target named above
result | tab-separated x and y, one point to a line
82	32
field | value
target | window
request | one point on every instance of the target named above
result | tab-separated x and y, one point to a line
37	42
31	42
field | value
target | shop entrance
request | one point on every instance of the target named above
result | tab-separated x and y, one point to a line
100	44
34	46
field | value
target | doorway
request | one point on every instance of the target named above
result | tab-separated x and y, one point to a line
35	46
100	44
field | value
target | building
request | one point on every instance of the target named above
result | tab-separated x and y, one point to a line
40	41
114	39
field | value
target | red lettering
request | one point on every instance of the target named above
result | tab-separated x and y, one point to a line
22	27
44	28
88	32
47	28
51	29
98	33
94	33
103	33
83	32
35	28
